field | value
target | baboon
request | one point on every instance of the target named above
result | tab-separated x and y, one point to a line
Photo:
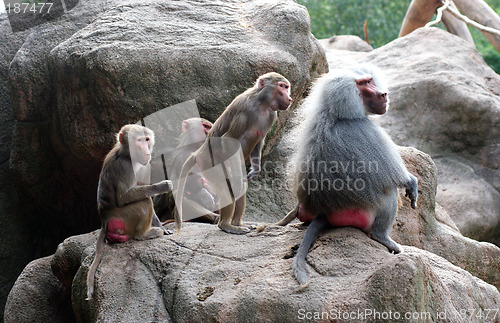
124	205
199	196
246	120
346	169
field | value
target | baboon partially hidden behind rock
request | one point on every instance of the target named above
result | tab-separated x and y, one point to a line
200	200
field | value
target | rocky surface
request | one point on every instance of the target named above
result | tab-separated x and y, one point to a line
16	246
12	41
204	274
348	43
200	276
445	101
429	227
38	296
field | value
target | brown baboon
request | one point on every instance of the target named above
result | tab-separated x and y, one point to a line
199	196
124	205
246	120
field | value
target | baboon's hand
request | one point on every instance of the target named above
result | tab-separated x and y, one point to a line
165	185
412	191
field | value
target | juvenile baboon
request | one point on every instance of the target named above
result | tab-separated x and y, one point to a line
199	196
347	169
124	205
247	119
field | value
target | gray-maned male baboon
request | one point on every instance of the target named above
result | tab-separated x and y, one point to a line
346	169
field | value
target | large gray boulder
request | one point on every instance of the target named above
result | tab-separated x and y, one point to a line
14	245
431	228
11	42
445	101
200	276
16	235
122	66
38	296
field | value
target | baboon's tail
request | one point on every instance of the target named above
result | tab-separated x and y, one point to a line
299	261
186	168
292	215
97	258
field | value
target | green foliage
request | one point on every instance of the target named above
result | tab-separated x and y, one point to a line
346	17
384	19
490	54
